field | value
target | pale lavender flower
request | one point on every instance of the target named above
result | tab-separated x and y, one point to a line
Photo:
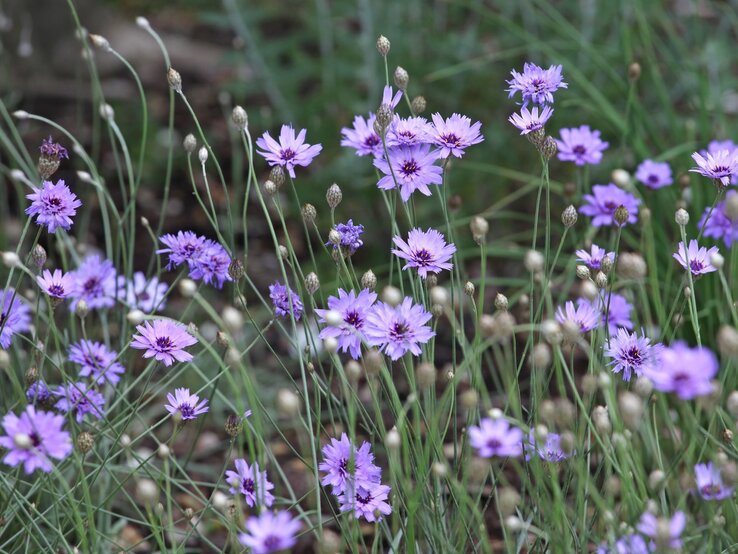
684	371
185	246
56	285
654	175
147	295
80	400
455	134
362	137
15	316
549	451
51	149
95	283
425	250
718	166
390	99
631	353
399	329
695	258
347	467
211	265
96	361
581	145
54	205
584	315
409	131
270	532
496	437
593	258
536	84
529	121
187	405
710	484
33	439
616	311
38	393
164	341
720	225
627	544
715	146
413	167
348	236
603	202
252	483
285	301
354	309
649	526
367	502
290	151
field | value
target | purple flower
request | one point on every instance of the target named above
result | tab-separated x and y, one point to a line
38	393
631	353
718	166
252	483
51	149
536	84
362	137
147	295
585	316
495	437
715	146
185	246
409	131
289	151
270	532
425	250
721	224
455	134
413	167
581	146
593	259
15	316
685	371
397	330
710	484
96	361
347	467
353	310
95	283
550	451
348	234
389	99
529	121
627	544
53	205
603	202
56	285
654	175
285	300
368	502
34	438
164	341
695	258
618	311
185	404
211	265
649	526
80	400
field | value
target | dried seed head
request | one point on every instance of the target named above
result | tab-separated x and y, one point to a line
501	302
175	80
309	213
634	71
288	403
312	283
383	119
548	147
189	143
401	78
391	295
583	272
233	425
425	374
240	118
270	189
479	227
418	105
469	288
541	356
333	196
631	266
383	45
534	261
369	280
631	410
569	216
85	442
621	215
681	217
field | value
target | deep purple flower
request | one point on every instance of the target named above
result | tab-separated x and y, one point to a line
289	151
38	393
425	250
53	205
496	437
252	483
15	316
353	309
584	315
695	258
95	283
685	371
390	99
164	341
581	145
96	361
718	166
409	131
603	202
649	526
549	451
270	532
593	259
185	246
349	236
536	84
51	149
186	404
721	224
529	121
211	265
454	134
80	400
413	167
400	329
362	137
654	175
56	285
710	484
285	300
34	438
367	502
347	467
631	353
147	295
616	311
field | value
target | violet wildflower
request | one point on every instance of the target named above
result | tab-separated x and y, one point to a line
390	99
627	544
211	265
54	205
529	121
185	405
252	483
719	166
584	315
536	84
362	137
95	283
51	149
455	134
593	258
649	526
270	532
654	175
57	285
185	246
347	467
695	258
290	151
496	437
164	341
549	451
38	393
685	371
15	316
715	146
710	484
354	309
581	145
720	224
603	202
80	400
147	295
409	131
34	438
631	353
425	250
96	361
348	234
413	167
367	502
399	329
616	311
285	301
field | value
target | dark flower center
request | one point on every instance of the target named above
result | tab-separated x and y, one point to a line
271	542
538	85
451	139
494	443
35	439
56	290
696	265
91	284
711	489
653	179
579	150
721	170
681	377
364	499
423	257
371	141
352	318
143	296
93	360
610	205
186	410
3	317
633	356
189	249
287	154
409	168
248	485
399	330
54	202
164	343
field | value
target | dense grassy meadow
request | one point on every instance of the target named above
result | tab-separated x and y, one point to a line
442	277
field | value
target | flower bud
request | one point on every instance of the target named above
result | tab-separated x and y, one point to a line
631	410
425	375
600	280
392	439
202	155
85	442
240	117
99	42
583	272
418	105
541	356
469	399
601	420
187	288
107	112
621	215
681	217
548	147
717	260
401	78
569	216
534	261
439	295
82	309
469	288
508	500
288	403
270	189
383	118
312	284
135	317
643	386
501	302
551	332
334	196
309	213
147	492
634	71
369	280
11	260
732	404
621	178
353	371
479	227
632	266
383	45
189	143
38	256
391	295
175	80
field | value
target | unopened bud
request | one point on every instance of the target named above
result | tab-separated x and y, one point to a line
418	105
99	42
174	79
147	492
643	387
569	216
391	295
369	280
425	374
621	215
600	280
469	399
439	295
309	213
383	45
202	155
333	196
187	288
508	500
85	442
189	143
631	409
270	188
681	217
732	404
401	78
583	272
534	261
501	302
135	317
353	371
240	117
383	118
288	403
634	71
601	419
373	362
38	256
541	356
469	288
312	283
548	147
233	425
82	309
621	178
107	112
632	266
717	260
392	439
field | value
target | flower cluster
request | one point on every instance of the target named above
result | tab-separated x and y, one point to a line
205	258
252	483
